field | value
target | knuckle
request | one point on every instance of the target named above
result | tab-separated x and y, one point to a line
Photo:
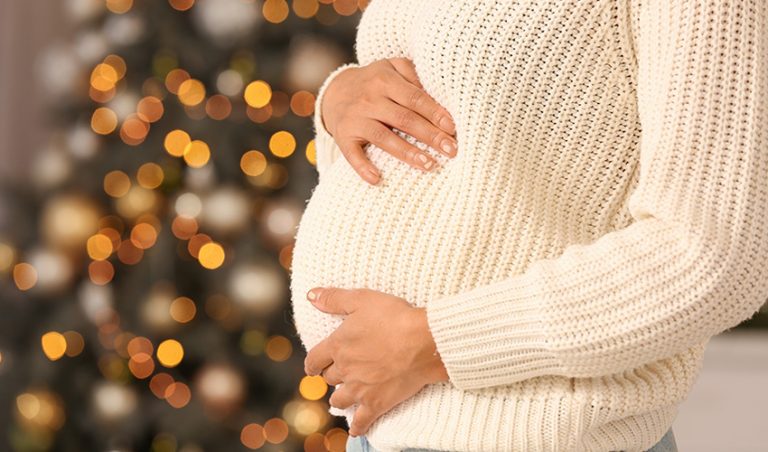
405	118
378	134
416	99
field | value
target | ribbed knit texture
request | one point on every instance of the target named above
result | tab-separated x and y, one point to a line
604	217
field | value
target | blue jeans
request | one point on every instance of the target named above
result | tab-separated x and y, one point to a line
361	444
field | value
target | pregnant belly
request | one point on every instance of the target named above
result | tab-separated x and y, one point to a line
390	237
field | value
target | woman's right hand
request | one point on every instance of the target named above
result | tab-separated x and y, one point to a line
362	103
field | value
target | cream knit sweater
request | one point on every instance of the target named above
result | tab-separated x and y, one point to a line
606	214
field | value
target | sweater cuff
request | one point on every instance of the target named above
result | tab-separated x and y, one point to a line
326	149
494	334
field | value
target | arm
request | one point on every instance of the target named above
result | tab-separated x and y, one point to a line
695	260
327	151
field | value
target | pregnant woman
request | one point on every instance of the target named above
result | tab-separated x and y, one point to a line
550	282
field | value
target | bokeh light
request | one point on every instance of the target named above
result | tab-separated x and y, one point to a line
54	345
282	144
170	353
258	94
253	163
211	255
197	153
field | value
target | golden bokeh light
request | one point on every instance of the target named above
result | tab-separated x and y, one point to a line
305	8
258	94
150	109
104	77
282	144
303	103
177	394
7	257
275	11
311	152
116	184
281	104
181	5
139	344
184	227
218	107
278	348
54	345
150	175
197	153
101	272
41	410
336	440
128	253
170	353
346	7
259	115
101	96
253	163
176	141
141	365
183	310
174	79
117	63
112	234
119	6
24	275
211	255
103	121
252	436
313	387
196	242
75	343
276	430
191	92
159	384
99	247
143	236
134	130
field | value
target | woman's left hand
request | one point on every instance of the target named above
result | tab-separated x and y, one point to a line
383	352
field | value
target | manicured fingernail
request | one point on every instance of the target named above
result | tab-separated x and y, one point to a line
448	147
446	123
425	161
312	295
373	175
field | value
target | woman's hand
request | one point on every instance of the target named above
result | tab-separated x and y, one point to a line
383	352
362	103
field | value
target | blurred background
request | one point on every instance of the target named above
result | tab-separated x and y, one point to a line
155	158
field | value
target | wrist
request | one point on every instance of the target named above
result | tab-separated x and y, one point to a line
431	364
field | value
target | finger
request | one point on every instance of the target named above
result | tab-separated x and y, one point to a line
343	397
357	159
319	357
335	300
383	137
362	420
414	98
416	125
331	375
407	69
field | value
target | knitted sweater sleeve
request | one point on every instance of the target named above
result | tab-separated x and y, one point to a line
327	151
693	263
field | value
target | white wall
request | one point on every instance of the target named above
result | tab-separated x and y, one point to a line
26	27
727	409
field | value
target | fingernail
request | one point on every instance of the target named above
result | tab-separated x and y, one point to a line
448	147
446	124
312	295
374	176
425	161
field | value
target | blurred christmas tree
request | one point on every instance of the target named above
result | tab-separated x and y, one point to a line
144	268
